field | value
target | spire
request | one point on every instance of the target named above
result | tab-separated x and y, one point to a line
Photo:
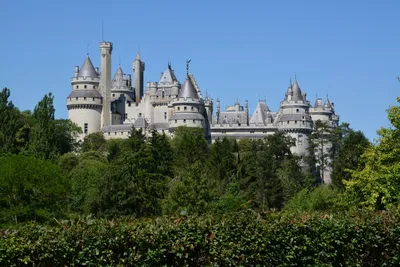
87	69
137	56
187	67
297	95
188	90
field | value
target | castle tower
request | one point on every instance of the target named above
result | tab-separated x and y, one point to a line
188	108
105	81
84	103
138	69
294	119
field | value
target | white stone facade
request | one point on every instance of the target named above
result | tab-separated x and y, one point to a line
115	105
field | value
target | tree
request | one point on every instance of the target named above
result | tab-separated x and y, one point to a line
30	189
94	142
189	146
42	143
377	185
320	146
349	147
11	121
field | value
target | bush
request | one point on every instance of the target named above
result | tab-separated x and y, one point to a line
244	238
321	198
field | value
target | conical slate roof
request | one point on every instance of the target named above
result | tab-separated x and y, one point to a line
187	89
87	69
297	95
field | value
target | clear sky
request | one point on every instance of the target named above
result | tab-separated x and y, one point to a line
348	50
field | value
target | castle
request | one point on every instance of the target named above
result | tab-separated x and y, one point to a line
100	103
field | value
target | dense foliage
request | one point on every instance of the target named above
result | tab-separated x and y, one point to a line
214	190
236	239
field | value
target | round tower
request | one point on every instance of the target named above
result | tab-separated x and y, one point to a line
85	103
188	108
294	119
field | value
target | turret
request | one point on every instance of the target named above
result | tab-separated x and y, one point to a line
105	81
84	103
246	107
293	118
188	108
138	69
218	110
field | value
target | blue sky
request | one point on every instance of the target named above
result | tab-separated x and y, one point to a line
348	50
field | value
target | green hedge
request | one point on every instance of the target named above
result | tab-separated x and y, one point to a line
244	238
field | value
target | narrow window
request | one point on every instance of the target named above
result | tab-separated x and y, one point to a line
194	121
184	108
77	86
129	103
84	98
108	133
94	86
176	121
179	108
76	98
85	86
165	115
93	98
297	110
295	122
85	128
184	121
192	108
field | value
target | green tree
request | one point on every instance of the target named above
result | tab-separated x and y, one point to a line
349	146
94	142
30	189
320	145
42	143
11	121
377	185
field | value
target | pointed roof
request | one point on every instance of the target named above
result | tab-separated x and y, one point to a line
168	76
297	95
187	89
118	80
260	114
87	69
328	105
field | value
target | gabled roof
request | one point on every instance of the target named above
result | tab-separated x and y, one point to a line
141	123
187	89
118	80
260	114
87	69
168	76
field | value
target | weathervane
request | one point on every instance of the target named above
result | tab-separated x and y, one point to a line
187	66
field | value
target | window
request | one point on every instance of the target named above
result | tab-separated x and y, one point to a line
179	108
113	95
76	98
251	131
194	121
295	122
115	133
184	108
84	98
93	98
184	121
176	121
300	140
165	115
108	133
140	114
297	110
126	115
94	86
192	108
129	103
77	86
85	128
85	86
